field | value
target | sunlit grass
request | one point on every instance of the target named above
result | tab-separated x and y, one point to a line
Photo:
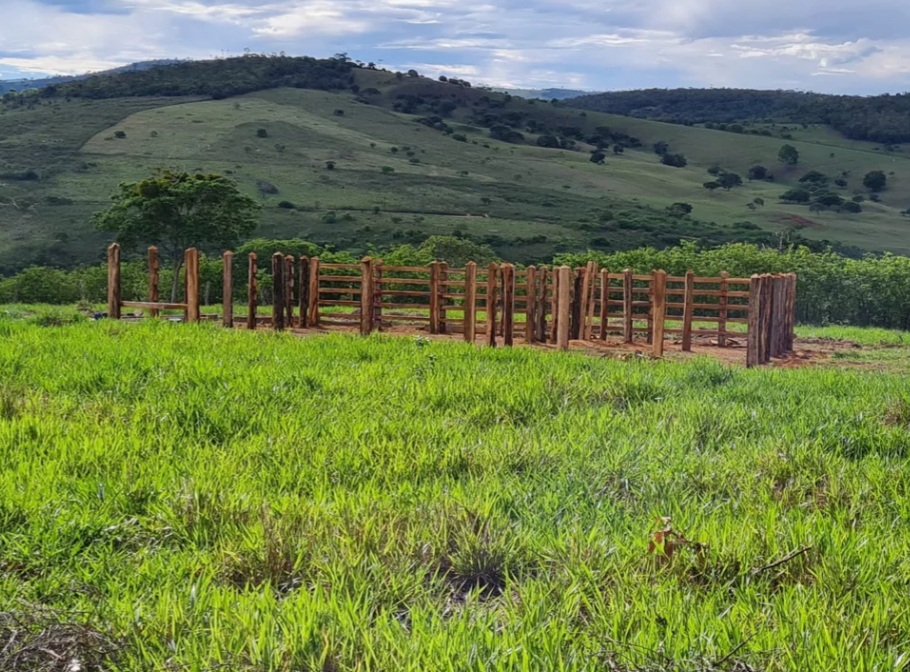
259	501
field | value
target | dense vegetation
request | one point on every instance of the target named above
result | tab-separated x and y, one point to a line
832	289
218	78
215	499
884	118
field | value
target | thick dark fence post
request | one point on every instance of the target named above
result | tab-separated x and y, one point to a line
278	288
114	296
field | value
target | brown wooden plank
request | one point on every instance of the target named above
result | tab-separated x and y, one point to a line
508	304
153	305
563	307
313	309
627	279
366	296
441	288
490	322
278	288
688	312
303	294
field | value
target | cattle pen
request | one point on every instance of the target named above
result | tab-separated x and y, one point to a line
494	303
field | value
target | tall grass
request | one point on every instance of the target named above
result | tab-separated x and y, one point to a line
263	502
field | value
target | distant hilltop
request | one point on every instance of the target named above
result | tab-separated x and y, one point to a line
7	85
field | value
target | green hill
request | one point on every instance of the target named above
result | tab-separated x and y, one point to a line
371	157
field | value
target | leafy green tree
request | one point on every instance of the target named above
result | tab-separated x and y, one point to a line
875	181
598	157
179	210
796	196
661	147
711	186
548	140
757	172
674	160
729	180
788	155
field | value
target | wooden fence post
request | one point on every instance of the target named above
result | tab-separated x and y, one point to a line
114	290
688	311
554	305
252	290
791	329
377	295
650	318
366	296
313	308
443	290
531	305
227	289
577	317
154	268
590	298
604	302
583	299
492	272
563	299
627	332
508	304
753	337
289	290
278	288
774	346
470	302
722	316
303	292
434	297
541	297
659	289
191	269
765	355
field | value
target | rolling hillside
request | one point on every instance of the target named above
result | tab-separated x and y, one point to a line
396	158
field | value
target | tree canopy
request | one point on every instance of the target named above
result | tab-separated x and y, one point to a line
875	181
177	210
788	155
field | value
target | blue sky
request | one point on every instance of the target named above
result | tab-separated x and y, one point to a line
822	45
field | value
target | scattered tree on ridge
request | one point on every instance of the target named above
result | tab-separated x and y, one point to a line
788	155
875	181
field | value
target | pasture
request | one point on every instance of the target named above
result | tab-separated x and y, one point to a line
196	498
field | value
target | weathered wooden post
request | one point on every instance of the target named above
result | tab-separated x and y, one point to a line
604	302
154	276
278	288
303	294
563	308
767	301
627	330
531	304
289	290
443	290
114	296
492	272
775	345
659	289
753	337
470	302
582	301
252	291
377	295
191	270
542	304
434	297
791	330
227	289
577	299
554	306
688	311
313	308
508	304
722	315
366	296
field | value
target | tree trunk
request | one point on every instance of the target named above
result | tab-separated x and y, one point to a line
178	265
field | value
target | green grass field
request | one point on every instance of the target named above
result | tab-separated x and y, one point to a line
528	202
196	498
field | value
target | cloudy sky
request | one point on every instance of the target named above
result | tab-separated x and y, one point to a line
837	46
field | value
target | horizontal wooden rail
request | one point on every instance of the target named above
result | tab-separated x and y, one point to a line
153	305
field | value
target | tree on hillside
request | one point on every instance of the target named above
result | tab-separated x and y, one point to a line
788	155
661	147
875	181
178	210
757	173
711	186
674	160
729	180
598	157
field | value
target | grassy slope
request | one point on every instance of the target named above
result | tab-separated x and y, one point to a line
352	503
556	194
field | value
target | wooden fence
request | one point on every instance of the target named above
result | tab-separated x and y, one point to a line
535	305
